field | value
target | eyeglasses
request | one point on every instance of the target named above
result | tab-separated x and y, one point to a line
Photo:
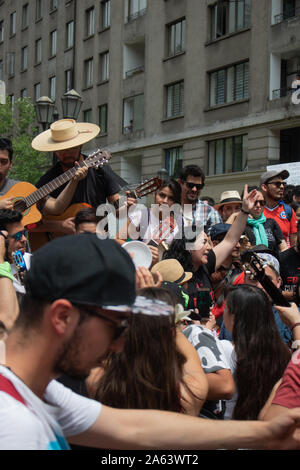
193	185
278	184
261	202
17	236
119	329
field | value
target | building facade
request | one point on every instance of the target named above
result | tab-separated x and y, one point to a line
170	82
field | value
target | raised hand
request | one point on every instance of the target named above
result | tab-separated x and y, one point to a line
249	199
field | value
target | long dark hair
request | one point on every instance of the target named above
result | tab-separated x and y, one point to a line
147	373
177	250
175	187
261	355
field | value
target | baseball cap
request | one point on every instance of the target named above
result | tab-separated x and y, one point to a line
218	229
84	270
265	177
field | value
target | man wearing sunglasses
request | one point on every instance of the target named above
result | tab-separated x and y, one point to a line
16	240
196	212
272	185
71	317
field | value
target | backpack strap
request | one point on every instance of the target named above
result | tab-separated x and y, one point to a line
288	210
7	387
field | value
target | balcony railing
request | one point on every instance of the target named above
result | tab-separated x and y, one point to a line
287	15
281	93
134	16
134	71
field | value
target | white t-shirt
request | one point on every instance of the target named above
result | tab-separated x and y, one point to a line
43	425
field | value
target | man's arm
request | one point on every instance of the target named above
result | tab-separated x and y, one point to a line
9	308
149	429
57	206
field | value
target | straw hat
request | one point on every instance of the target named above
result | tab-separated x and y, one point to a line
229	197
65	134
172	271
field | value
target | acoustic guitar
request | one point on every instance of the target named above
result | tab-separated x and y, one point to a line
38	239
26	196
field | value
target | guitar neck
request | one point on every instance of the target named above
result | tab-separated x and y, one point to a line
42	192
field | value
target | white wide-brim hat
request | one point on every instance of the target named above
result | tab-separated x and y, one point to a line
65	134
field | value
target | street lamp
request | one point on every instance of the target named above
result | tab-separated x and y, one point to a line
44	108
71	104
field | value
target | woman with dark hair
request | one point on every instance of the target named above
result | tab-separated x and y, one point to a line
203	259
259	356
262	231
157	369
157	226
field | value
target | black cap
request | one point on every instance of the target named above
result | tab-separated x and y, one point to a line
82	269
219	229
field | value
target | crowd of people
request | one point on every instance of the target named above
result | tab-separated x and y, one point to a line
196	350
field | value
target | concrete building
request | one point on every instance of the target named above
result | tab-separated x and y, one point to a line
170	82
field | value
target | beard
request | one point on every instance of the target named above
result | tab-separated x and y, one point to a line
68	358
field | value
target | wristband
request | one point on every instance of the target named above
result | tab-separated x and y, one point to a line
294	326
5	271
245	212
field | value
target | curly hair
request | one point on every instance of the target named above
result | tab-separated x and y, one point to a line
8	216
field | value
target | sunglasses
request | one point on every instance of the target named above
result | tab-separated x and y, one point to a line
17	236
278	184
119	329
194	185
262	203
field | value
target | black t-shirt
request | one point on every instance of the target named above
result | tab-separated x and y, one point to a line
94	189
290	269
273	232
201	282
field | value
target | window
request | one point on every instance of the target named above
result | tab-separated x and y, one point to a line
70	35
229	16
25	16
38	9
11	64
37	91
90	22
68	80
104	66
175	99
105	8
136	8
173	161
24	58
52	88
230	84
53	4
103	118
89	72
1	70
12	24
176	37
53	43
23	93
87	115
227	155
12	101
1	31
133	114
38	51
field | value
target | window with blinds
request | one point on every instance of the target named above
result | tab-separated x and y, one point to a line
229	85
103	118
104	66
227	155
173	161
176	37
175	99
229	16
